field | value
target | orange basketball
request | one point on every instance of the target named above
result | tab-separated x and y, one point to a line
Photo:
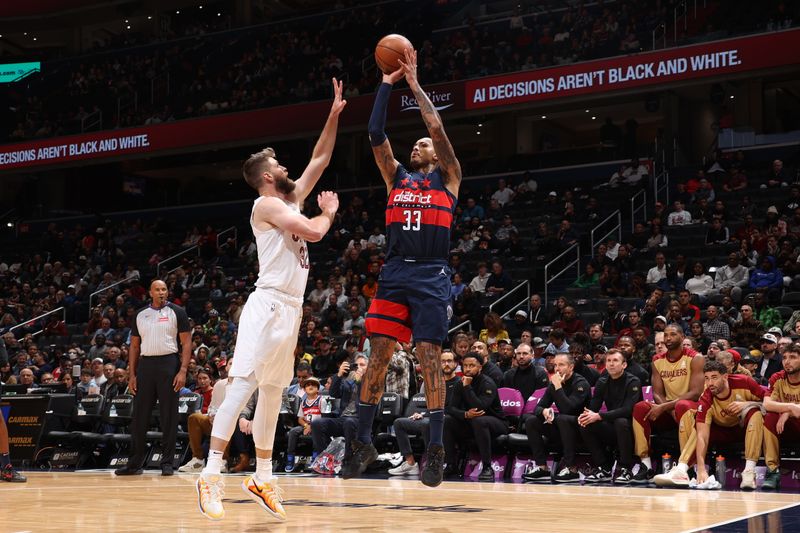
390	51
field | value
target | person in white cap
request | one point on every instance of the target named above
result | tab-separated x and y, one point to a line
518	324
771	360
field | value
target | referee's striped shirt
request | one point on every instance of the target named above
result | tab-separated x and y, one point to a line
158	329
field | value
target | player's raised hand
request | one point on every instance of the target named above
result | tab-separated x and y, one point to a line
394	77
328	201
409	67
338	100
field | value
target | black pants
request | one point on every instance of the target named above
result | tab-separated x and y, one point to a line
154	377
403	427
537	430
324	429
568	431
484	428
615	434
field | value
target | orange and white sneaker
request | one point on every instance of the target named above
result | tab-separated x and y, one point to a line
210	490
266	494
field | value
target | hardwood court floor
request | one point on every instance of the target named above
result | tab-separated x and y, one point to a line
99	502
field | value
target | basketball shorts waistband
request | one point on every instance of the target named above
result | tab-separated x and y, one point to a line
288	299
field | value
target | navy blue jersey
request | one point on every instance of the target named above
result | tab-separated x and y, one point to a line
419	215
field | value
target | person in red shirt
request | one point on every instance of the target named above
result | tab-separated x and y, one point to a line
569	322
689	312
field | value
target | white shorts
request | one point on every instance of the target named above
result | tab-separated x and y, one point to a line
267	337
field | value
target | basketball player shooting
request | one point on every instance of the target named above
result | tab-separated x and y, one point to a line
264	354
414	284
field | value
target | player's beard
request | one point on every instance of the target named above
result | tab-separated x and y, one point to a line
792	372
284	185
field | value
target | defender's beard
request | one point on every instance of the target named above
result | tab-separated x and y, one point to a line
284	185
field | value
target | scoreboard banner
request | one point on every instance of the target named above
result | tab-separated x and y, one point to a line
640	70
650	69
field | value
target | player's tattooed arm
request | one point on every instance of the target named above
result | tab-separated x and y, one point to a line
374	383
384	158
448	162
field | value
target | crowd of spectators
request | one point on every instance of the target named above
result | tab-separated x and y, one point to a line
205	72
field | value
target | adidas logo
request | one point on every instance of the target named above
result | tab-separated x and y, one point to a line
511	403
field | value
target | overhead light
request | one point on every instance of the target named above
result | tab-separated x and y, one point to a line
177	11
478	132
126	21
128	27
10	224
201	7
149	17
480	125
34	38
732	97
544	116
594	118
219	14
585	110
25	34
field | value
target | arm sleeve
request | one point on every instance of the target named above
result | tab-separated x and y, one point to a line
456	406
755	388
183	319
482	399
377	120
599	396
572	403
545	402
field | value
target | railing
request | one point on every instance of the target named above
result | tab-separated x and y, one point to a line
63	311
618	228
126	101
104	289
639	208
232	229
661	188
660	34
459	326
194	248
159	89
93	121
575	262
527	285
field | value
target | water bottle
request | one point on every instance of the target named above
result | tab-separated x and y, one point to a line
720	471
666	463
113	411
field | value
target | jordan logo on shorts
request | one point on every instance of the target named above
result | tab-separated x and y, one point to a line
442	273
272	307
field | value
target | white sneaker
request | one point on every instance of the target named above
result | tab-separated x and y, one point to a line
210	490
267	495
193	466
674	478
405	469
748	480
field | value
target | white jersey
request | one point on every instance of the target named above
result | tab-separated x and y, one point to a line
282	258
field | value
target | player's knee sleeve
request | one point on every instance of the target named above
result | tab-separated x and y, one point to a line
236	395
266	416
640	411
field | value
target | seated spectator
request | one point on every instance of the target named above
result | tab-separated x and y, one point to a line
748	330
769	317
566	235
730	279
570	392
612	285
589	278
517	325
472	210
499	282
689	311
399	375
657	275
717	233
417	422
539	315
696	334
570	324
714	328
727	358
619	391
627	347
679	216
475	409
613	318
776	177
767	280
86	385
700	284
493	331
657	240
309	410
478	283
525	377
632	321
503	195
344	386
771	360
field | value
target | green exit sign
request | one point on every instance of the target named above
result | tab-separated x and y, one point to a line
11	72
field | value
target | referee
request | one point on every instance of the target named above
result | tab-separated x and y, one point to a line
156	373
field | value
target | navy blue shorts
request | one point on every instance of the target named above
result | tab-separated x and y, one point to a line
412	298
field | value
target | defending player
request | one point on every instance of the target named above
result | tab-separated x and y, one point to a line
268	327
677	378
782	422
729	411
414	284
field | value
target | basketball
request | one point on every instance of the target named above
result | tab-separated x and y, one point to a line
390	51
